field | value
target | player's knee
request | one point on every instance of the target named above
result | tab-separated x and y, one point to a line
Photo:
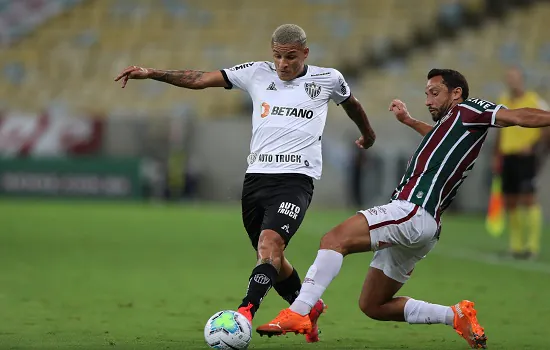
370	309
270	244
336	240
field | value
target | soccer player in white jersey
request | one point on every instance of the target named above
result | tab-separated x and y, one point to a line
402	232
290	108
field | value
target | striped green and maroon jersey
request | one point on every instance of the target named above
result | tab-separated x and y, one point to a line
446	155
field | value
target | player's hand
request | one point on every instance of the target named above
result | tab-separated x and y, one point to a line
400	110
133	72
360	142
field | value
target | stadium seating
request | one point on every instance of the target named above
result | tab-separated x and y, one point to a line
87	46
71	60
482	55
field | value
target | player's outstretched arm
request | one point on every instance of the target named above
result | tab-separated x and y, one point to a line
402	114
355	111
524	117
189	79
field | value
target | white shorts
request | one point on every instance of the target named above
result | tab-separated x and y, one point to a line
401	233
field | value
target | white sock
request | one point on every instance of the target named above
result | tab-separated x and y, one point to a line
325	267
417	311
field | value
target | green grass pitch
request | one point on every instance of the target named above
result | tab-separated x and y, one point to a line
81	275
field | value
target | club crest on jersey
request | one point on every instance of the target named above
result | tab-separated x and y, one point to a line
312	89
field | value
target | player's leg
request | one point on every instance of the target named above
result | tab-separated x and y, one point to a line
532	210
378	301
352	236
288	286
510	194
253	214
285	205
285	216
373	229
270	247
288	282
390	269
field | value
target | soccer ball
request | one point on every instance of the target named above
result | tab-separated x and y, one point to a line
228	330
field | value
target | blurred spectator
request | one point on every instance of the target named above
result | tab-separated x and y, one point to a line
451	13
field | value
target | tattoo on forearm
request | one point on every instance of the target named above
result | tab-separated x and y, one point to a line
183	78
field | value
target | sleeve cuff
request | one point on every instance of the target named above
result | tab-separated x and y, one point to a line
344	100
227	81
494	116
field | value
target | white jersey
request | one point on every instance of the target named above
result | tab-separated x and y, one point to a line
289	116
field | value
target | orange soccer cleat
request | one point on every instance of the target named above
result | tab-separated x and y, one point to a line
314	314
466	325
287	321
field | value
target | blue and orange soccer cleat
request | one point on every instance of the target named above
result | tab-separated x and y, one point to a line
466	325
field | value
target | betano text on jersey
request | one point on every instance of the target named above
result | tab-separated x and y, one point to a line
289	116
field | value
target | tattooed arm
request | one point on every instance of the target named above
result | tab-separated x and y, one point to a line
189	79
355	112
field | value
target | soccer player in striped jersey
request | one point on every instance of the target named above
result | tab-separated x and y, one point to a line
402	232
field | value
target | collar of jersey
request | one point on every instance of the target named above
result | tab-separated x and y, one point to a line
304	72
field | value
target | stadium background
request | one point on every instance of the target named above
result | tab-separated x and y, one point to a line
94	274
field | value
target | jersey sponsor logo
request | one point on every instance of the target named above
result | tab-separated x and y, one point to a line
289	209
286	111
274	158
312	89
272	87
290	85
320	74
482	103
241	66
265	109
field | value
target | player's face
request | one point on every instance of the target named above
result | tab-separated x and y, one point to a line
438	97
514	80
289	60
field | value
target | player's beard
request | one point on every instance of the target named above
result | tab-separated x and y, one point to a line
440	112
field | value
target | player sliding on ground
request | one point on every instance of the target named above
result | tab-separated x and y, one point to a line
290	109
402	232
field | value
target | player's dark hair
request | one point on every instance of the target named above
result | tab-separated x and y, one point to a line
452	79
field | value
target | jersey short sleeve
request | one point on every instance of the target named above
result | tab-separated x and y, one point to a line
340	88
476	112
240	75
